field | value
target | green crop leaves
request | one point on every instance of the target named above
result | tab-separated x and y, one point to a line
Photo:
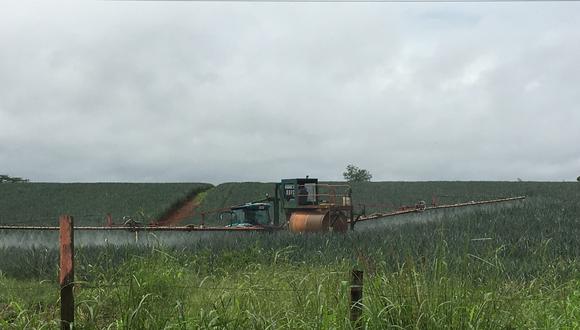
89	203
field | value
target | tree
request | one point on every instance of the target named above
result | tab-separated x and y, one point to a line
9	179
355	174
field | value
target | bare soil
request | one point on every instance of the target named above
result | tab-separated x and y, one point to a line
185	211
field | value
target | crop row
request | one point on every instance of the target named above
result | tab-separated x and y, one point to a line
42	203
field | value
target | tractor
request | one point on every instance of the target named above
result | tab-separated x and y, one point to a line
304	205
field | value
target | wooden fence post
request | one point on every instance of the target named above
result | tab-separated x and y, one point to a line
66	278
356	297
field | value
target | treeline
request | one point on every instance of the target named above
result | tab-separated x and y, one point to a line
11	179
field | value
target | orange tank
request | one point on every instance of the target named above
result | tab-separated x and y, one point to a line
309	222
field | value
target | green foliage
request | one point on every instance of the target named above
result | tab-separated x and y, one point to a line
381	196
9	179
355	174
42	203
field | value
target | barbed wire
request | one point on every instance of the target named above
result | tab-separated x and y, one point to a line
474	298
367	292
42	219
191	287
188	287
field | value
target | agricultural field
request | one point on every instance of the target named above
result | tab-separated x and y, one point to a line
494	267
89	203
378	196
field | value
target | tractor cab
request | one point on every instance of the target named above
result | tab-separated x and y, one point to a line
300	192
248	215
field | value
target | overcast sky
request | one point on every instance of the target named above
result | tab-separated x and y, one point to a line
215	92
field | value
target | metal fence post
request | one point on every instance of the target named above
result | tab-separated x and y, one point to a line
66	277
356	297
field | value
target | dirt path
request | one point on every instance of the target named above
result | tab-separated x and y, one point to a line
186	210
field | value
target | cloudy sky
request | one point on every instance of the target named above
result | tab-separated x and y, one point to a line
215	92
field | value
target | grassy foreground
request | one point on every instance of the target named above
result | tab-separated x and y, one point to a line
492	268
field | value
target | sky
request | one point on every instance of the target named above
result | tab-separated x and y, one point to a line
219	92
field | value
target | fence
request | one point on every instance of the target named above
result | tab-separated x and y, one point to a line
66	279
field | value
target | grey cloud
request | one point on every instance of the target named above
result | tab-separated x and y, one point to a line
222	92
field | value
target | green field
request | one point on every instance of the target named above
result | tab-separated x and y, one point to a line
506	267
42	203
381	196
